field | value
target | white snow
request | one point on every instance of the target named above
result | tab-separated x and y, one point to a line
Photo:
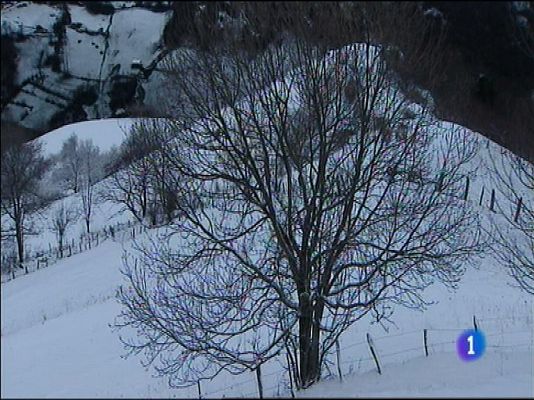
56	341
28	15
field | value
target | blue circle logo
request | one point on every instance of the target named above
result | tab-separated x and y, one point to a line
471	345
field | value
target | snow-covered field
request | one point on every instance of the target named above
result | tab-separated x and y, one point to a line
57	341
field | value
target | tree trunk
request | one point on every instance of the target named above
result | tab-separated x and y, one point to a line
309	335
61	246
19	234
20	245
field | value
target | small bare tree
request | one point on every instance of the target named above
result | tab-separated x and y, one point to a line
513	227
70	163
23	166
138	176
316	193
61	218
90	173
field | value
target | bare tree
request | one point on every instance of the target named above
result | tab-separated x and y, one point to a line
513	226
130	174
22	168
70	163
90	173
60	219
317	193
138	176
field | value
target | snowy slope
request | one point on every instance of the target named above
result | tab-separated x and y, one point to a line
58	318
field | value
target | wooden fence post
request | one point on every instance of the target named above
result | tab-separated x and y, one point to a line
492	201
260	384
466	188
425	339
373	353
481	197
518	210
338	356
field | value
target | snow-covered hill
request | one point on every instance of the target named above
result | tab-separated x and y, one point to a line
57	341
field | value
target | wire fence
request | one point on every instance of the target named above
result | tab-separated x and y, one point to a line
39	259
280	384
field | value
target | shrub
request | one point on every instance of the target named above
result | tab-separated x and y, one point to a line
99	7
122	92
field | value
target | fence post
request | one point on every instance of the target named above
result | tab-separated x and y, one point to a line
373	353
519	203
338	356
481	197
492	201
425	339
466	188
475	323
37	263
199	391
258	377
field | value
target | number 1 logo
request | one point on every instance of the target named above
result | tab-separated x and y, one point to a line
470	345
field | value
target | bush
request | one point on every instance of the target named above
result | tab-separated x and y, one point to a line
53	61
156	6
85	95
99	7
122	92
